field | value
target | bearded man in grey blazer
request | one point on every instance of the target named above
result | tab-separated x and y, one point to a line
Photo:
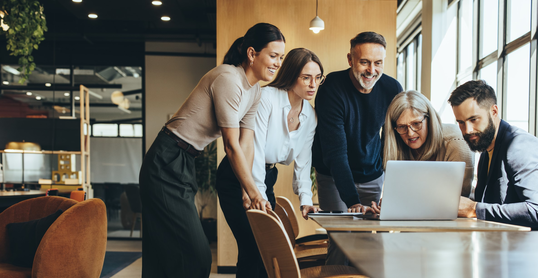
507	186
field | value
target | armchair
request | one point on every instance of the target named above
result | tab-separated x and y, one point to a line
73	246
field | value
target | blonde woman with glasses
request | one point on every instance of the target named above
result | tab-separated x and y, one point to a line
284	132
413	131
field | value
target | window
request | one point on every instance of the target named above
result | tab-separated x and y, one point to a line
409	64
108	130
502	40
519	19
489	21
517	86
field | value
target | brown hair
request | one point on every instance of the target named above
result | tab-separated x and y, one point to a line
292	66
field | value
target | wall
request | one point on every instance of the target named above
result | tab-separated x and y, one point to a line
169	81
343	20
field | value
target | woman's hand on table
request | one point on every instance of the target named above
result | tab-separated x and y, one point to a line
305	209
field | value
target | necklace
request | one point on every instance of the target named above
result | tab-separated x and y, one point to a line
291	120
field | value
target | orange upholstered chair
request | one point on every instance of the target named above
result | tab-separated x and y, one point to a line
78	195
73	246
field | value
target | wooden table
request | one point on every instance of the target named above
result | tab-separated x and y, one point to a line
472	254
348	223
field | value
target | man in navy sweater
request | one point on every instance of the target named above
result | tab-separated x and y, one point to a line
351	107
347	151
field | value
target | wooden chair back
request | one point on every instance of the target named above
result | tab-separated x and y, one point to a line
288	206
274	245
283	215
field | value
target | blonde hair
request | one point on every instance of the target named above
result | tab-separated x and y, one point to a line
395	148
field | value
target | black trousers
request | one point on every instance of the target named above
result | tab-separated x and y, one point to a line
249	261
173	243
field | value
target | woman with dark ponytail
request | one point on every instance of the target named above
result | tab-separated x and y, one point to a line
224	103
285	127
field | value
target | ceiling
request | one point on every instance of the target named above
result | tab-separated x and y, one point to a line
107	51
131	20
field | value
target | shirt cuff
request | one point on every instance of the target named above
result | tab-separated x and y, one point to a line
305	199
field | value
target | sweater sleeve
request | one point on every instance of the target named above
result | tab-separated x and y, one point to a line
331	110
458	150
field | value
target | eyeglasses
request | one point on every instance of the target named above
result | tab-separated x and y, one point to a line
416	126
307	79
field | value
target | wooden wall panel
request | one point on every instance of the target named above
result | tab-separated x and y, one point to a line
343	20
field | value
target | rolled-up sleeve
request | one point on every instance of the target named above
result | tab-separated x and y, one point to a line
302	183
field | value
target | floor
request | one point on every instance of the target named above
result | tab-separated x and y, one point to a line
135	269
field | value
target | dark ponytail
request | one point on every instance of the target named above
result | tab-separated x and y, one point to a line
257	37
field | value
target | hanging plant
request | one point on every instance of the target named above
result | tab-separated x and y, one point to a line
25	24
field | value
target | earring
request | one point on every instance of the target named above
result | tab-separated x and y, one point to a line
251	63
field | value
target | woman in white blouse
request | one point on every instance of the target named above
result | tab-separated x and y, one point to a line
286	124
284	131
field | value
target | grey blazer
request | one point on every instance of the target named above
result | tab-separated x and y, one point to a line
509	193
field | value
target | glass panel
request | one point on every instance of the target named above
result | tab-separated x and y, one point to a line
489	18
41	75
517	87
105	130
465	79
519	19
410	71
401	68
466	35
489	74
126	130
138	130
419	62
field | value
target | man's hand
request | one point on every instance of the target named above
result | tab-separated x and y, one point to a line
260	203
360	208
467	208
306	209
375	207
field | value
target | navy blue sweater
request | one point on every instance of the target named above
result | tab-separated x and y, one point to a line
347	144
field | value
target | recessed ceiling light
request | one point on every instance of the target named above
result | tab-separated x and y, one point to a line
38	97
48	84
157	3
66	94
5	82
77	98
165	18
29	93
77	1
92	16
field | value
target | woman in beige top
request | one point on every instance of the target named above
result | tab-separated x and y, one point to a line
413	131
223	103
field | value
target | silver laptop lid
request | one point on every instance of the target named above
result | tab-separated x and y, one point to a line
422	190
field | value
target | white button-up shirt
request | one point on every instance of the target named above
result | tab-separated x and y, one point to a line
273	143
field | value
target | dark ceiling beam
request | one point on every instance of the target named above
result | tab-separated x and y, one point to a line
57	87
132	92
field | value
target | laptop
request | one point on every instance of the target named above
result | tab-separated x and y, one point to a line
418	190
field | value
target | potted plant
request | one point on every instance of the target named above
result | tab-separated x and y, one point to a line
206	171
23	24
